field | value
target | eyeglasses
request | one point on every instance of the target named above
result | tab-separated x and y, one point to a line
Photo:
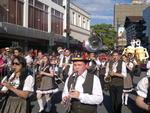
15	63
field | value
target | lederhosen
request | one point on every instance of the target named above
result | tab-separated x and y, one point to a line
76	105
16	104
116	88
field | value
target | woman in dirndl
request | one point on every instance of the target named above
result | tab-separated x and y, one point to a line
128	85
17	87
47	86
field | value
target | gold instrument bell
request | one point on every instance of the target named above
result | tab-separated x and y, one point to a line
107	79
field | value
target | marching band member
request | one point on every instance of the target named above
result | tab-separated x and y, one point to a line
85	91
128	86
18	88
46	86
143	94
116	69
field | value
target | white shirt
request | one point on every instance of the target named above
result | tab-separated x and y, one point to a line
142	87
114	68
95	98
29	59
28	83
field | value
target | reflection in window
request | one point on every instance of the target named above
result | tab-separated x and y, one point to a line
38	15
57	22
11	11
59	2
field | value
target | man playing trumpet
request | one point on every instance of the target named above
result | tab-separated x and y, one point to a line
116	69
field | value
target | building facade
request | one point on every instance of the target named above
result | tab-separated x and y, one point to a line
134	26
27	23
79	23
146	16
123	10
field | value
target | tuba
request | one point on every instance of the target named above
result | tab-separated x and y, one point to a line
94	43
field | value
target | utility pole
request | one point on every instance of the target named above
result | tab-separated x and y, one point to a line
68	24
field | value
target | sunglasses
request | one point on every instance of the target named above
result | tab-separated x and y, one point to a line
15	63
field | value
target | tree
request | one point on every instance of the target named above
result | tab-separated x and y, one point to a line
107	33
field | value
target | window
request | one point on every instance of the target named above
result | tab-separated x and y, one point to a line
57	22
73	18
38	16
31	2
12	11
20	13
59	2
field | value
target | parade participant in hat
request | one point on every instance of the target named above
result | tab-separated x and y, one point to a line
82	88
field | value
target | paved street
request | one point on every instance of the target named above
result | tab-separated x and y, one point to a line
105	107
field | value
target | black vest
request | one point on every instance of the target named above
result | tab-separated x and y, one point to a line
102	69
76	106
22	80
115	80
87	85
64	59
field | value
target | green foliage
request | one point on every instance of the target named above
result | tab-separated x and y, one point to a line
107	33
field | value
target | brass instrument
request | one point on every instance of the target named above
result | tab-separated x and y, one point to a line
107	79
94	42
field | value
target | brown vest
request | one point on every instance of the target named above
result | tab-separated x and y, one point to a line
115	80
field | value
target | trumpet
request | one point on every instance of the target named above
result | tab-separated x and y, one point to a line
107	79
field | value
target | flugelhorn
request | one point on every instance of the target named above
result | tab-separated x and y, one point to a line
107	79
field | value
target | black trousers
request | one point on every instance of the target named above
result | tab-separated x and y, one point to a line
116	98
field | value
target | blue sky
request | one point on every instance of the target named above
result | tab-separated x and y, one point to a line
101	10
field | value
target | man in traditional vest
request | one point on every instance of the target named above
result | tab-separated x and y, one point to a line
143	94
82	88
116	69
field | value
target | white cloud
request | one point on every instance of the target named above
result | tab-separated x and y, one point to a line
96	5
99	9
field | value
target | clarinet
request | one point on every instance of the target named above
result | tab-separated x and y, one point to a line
72	87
